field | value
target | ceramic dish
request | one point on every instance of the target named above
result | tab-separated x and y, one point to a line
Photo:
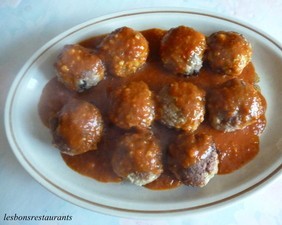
31	141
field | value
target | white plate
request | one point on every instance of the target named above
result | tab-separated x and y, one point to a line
31	141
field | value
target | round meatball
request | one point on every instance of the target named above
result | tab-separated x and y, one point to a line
138	158
77	128
124	51
182	50
234	105
133	106
182	106
78	68
228	52
193	159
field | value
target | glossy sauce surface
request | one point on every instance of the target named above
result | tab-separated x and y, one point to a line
235	148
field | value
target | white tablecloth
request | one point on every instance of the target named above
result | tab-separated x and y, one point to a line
26	25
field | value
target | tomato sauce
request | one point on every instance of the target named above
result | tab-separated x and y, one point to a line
235	148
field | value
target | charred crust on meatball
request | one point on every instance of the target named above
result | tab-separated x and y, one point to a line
228	52
181	105
124	51
132	105
79	68
193	159
234	105
138	157
182	50
77	127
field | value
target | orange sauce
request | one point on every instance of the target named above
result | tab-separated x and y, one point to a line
235	148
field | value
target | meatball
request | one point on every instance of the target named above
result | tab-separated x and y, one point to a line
133	106
182	50
181	105
228	52
78	68
193	159
77	128
234	105
124	51
138	158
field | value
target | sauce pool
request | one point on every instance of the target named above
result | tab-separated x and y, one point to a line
235	148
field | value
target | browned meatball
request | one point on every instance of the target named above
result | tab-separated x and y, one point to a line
228	52
124	51
133	106
138	158
78	68
182	50
193	159
182	106
77	128
234	105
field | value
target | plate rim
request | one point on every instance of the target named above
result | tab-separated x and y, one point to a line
62	193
